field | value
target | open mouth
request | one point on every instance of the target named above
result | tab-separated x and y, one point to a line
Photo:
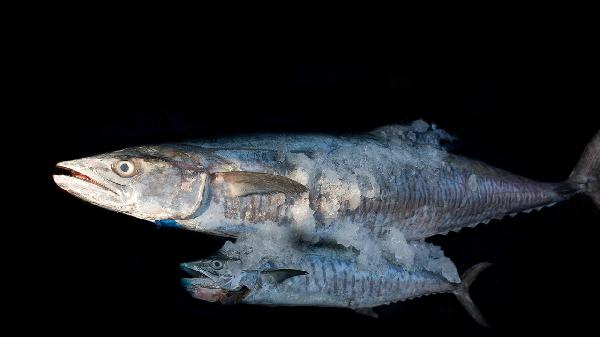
192	271
78	175
199	283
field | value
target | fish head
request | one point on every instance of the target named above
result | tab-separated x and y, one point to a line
218	268
153	183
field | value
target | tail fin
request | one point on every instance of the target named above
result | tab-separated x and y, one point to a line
462	292
586	175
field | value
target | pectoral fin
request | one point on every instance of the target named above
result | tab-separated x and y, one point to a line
240	184
280	275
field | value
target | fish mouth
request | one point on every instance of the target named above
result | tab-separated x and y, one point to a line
195	272
207	290
199	283
66	172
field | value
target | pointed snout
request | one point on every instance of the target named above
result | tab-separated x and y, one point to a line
81	178
188	284
189	268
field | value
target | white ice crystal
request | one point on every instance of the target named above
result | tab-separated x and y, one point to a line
432	258
301	167
303	223
397	245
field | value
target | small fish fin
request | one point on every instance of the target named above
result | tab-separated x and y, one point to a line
280	275
462	292
586	174
367	312
245	183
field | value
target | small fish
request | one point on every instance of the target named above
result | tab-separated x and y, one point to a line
394	178
321	280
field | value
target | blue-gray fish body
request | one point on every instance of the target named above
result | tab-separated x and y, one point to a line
395	178
380	182
327	280
333	282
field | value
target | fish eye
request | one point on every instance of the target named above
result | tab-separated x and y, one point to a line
124	168
216	264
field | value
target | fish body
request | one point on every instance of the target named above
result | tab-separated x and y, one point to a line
394	178
420	190
318	280
341	283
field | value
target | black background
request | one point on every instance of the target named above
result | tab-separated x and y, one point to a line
524	100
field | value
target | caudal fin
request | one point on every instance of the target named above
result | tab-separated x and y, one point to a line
462	292
586	174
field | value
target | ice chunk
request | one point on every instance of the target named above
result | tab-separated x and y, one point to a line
397	245
301	167
419	126
336	192
303	223
418	131
431	258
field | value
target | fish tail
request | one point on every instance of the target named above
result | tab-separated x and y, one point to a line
462	292
586	174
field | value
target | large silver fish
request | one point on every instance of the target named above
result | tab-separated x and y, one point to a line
321	280
394	178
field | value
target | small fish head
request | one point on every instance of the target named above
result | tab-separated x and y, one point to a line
219	268
147	182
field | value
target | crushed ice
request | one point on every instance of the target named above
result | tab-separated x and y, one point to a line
340	191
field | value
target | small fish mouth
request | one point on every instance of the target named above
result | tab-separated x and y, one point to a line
200	283
69	172
193	271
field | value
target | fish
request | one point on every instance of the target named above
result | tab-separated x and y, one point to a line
325	280
395	178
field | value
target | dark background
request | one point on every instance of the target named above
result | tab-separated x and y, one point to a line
524	100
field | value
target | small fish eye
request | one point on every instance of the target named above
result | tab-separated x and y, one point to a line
125	168
217	264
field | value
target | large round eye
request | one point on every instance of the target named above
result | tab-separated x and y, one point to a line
124	168
216	264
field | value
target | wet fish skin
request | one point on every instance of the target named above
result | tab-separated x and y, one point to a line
329	281
316	183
